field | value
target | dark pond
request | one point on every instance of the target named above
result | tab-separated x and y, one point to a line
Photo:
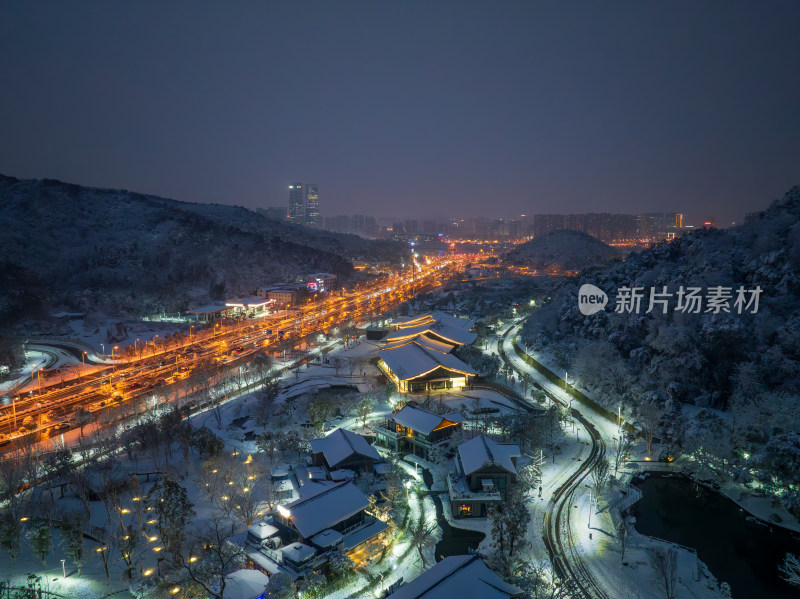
455	541
742	551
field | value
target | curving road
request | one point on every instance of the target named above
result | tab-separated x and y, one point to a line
557	533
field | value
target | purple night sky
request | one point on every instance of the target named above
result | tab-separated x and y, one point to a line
411	108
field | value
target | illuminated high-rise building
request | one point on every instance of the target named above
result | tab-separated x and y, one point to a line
304	204
297	204
312	205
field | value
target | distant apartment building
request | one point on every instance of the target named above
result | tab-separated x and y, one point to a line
358	223
613	228
304	204
545	223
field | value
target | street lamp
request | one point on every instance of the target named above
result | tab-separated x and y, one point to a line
83	359
619	419
407	486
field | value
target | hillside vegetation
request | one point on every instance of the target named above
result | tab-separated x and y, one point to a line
741	370
64	246
563	249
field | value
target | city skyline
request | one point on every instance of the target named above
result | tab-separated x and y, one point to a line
511	108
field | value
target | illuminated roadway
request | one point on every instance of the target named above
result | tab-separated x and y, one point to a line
159	368
558	537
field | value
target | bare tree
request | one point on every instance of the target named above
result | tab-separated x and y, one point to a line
11	480
265	401
664	562
539	581
622	450
82	418
600	474
209	557
421	534
622	535
649	417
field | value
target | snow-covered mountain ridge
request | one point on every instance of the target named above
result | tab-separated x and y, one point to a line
65	246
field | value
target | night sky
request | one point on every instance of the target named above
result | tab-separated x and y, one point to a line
411	109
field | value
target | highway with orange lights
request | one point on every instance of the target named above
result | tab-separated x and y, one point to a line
169	369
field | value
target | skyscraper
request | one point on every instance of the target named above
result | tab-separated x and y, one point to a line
297	204
312	205
304	204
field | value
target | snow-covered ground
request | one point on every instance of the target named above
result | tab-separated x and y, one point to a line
597	545
238	431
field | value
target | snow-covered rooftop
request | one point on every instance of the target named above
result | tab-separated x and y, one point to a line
354	538
341	444
461	576
483	451
262	530
332	504
412	360
248	302
245	584
297	552
435	316
423	341
327	538
210	309
423	421
455	335
343	474
450	328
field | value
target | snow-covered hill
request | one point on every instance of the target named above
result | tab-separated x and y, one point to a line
746	364
64	246
563	249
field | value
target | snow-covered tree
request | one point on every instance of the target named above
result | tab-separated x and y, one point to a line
364	408
510	521
72	533
790	569
41	540
281	586
170	502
